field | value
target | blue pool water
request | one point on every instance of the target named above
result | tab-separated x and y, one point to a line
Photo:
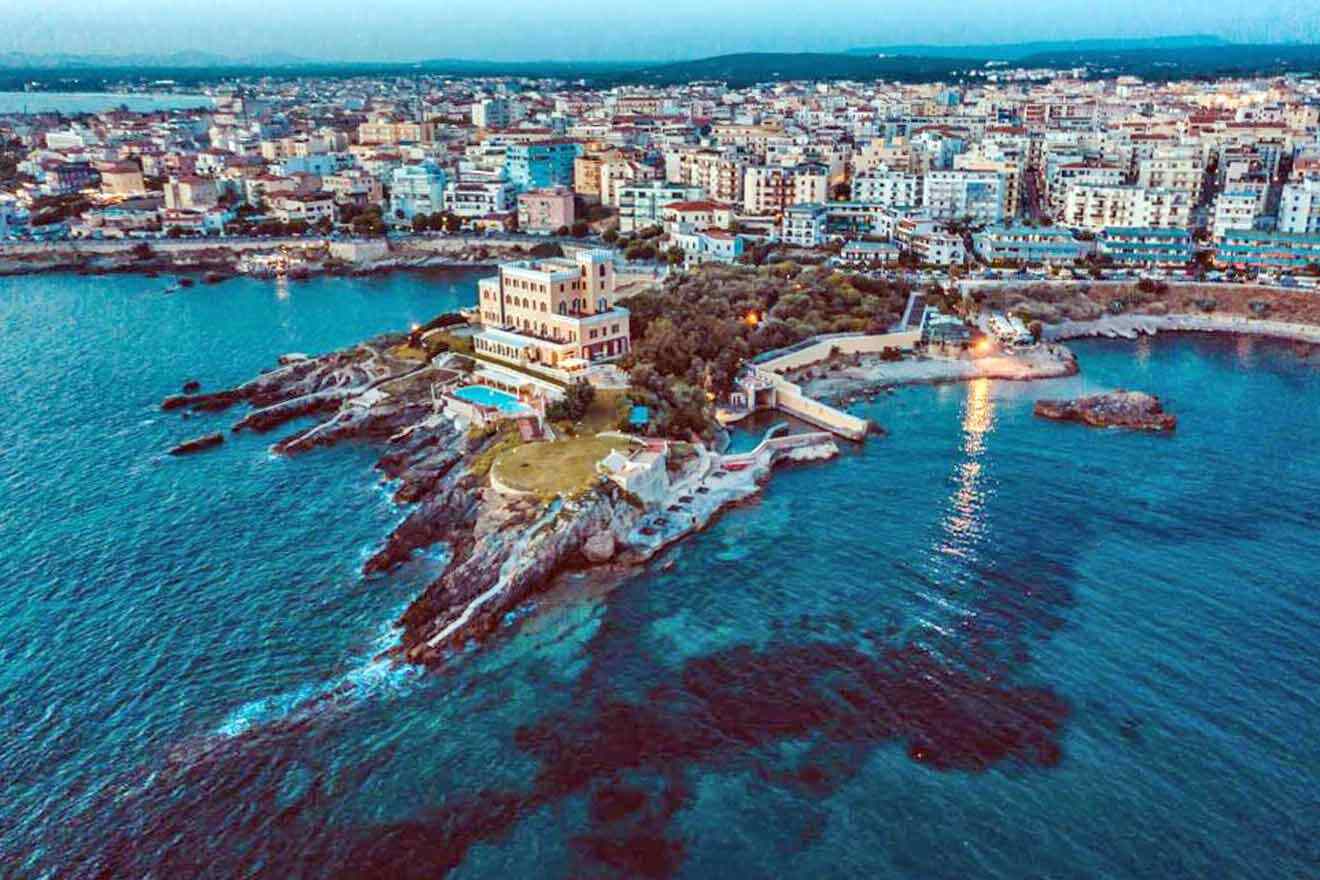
484	395
983	646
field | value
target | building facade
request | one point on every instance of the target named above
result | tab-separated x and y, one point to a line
555	313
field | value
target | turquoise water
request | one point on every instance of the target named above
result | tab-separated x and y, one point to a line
484	395
95	102
984	646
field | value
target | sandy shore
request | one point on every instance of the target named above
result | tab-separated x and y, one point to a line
1038	362
1132	326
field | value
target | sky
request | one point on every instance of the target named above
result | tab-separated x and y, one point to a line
584	30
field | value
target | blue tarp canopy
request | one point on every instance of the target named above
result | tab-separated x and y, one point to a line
639	415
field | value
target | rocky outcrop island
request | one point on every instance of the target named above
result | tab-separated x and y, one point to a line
1134	410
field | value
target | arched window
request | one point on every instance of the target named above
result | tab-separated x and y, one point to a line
600	304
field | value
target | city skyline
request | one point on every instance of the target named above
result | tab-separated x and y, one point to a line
406	30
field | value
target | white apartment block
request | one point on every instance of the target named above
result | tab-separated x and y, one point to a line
1058	178
939	249
978	195
479	199
643	205
804	226
1096	207
1177	168
1299	208
893	189
492	113
1234	211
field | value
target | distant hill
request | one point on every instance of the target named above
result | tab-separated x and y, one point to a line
754	67
1172	58
181	60
1016	51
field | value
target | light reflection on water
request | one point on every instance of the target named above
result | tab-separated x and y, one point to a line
963	525
1245	349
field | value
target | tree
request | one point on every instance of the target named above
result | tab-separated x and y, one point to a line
580	229
562	232
611	235
421	223
675	255
453	223
578	398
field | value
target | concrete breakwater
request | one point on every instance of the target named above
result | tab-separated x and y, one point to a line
1132	326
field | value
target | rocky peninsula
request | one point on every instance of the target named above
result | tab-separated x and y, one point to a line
1133	410
843	381
503	547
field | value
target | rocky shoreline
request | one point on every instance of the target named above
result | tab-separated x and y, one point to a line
873	376
503	549
222	256
1133	410
1134	326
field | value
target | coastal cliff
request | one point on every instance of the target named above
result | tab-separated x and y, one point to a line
503	548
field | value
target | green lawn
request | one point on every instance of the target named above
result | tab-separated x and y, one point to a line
555	468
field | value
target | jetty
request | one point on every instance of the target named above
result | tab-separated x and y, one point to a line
764	387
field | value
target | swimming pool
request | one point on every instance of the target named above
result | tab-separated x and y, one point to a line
484	395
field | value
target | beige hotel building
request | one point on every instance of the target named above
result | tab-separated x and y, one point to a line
557	312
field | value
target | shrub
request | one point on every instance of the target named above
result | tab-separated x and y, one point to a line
577	400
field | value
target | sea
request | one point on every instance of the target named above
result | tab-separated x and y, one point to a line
97	102
982	646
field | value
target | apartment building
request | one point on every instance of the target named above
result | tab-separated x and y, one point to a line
1173	168
707	245
1146	246
1097	207
383	130
881	186
190	193
478	199
1011	175
643	205
939	249
556	312
120	179
1029	244
546	210
1058	179
804	226
541	165
772	189
1250	249
308	207
698	214
353	186
1234	211
617	173
719	176
978	195
493	113
1299	208
417	189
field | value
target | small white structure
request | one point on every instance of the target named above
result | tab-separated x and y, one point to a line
641	471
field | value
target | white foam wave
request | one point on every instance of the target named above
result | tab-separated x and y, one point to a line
374	677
